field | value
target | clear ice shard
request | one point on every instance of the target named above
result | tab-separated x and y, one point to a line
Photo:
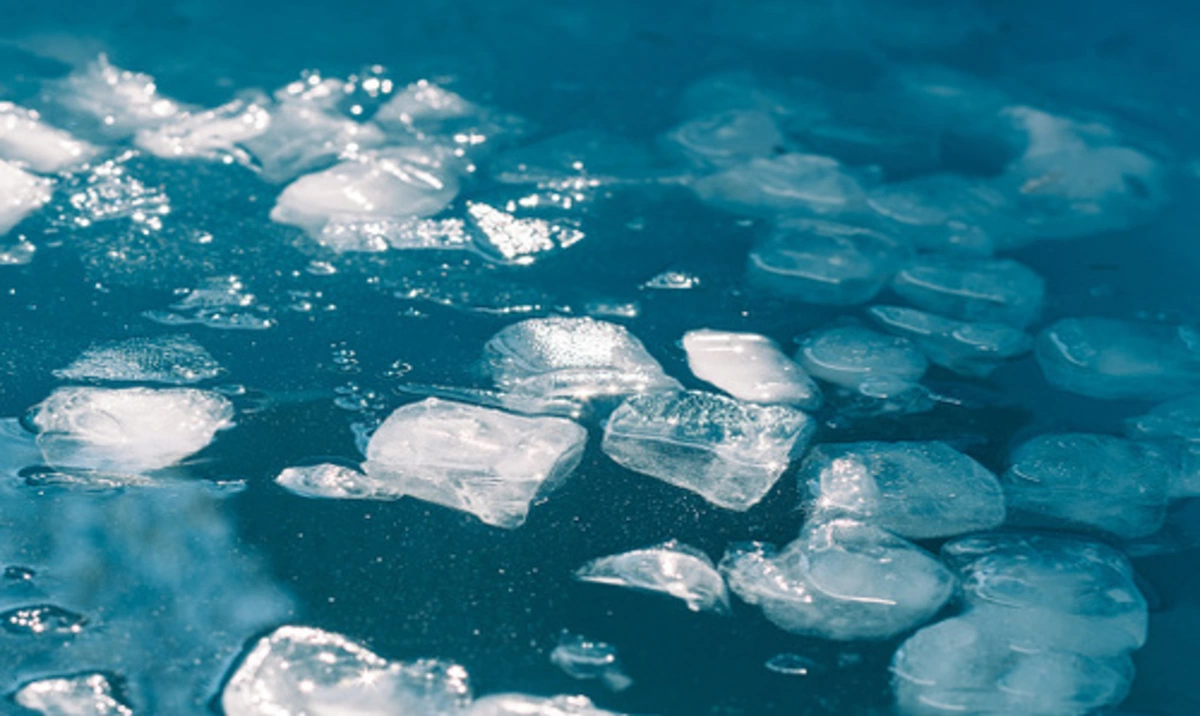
862	360
1108	358
797	183
728	451
825	262
919	490
127	430
670	568
749	367
1051	591
727	138
21	193
328	481
31	143
173	360
486	462
303	670
972	349
578	358
1091	481
583	658
841	580
525	705
78	695
979	290
209	134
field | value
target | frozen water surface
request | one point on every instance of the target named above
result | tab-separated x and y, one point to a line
671	568
21	193
749	367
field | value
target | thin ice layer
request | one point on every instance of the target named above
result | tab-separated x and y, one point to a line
980	290
973	349
749	367
582	658
670	568
328	481
728	451
121	101
173	360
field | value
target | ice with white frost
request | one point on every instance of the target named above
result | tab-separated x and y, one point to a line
173	360
79	695
121	101
1052	591
670	568
728	451
802	183
208	134
974	349
21	193
1108	358
303	670
862	360
825	262
749	367
1093	481
524	705
726	139
918	490
841	580
127	430
583	658
578	358
982	290
31	143
486	462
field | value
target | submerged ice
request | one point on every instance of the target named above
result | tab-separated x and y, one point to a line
670	568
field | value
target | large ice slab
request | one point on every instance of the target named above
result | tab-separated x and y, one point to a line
302	670
79	695
670	568
865	361
841	580
1108	358
728	451
28	141
918	490
801	183
1094	481
980	290
486	462
174	360
825	262
727	138
21	193
1045	590
127	430
974	349
525	705
572	358
582	658
208	134
749	367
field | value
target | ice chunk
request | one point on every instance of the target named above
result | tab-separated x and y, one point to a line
28	141
582	658
918	490
1176	424
122	101
506	238
825	262
974	349
486	462
175	360
669	568
80	695
972	289
798	106
302	670
211	134
947	212
728	451
572	357
965	665
749	367
127	430
862	360
841	580
787	183
328	481
1051	591
523	705
21	193
222	302
727	139
1108	359
1095	481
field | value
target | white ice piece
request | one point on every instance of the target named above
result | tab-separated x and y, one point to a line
21	193
173	360
868	362
749	367
981	290
28	141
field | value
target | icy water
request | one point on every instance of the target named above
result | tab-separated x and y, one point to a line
945	258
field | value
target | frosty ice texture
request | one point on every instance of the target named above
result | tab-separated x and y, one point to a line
749	367
805	183
173	360
328	481
21	193
670	568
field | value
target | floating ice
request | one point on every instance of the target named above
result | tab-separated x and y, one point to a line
222	303
508	239
328	481
28	141
1107	358
672	281
1176	424
792	665
17	253
486	462
174	360
840	580
669	568
966	665
1094	481
211	134
21	193
1047	591
825	262
523	705
918	490
947	212
572	358
122	101
974	349
127	430
749	367
972	289
786	183
728	451
302	670
582	658
862	360
80	695
727	139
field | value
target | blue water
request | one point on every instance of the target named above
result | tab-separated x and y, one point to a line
161	573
